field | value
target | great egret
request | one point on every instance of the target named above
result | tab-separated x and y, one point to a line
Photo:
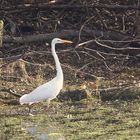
51	89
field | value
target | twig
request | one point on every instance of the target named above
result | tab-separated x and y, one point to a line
20	57
10	91
100	55
101	19
35	64
12	58
110	41
84	52
119	49
77	54
73	69
106	46
107	66
83	27
84	43
85	66
109	54
116	88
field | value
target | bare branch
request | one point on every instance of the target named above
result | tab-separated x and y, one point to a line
118	87
64	34
35	64
119	49
29	7
73	69
106	46
10	91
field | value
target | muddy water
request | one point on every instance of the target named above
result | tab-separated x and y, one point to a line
87	119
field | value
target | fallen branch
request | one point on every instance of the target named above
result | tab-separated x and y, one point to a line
123	50
65	34
76	71
106	46
9	60
29	7
36	64
118	49
10	91
12	58
124	87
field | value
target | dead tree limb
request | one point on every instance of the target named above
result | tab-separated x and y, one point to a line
10	91
123	50
11	59
65	34
28	7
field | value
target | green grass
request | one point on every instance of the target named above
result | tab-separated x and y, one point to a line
73	121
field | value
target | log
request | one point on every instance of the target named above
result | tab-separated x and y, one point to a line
65	34
28	7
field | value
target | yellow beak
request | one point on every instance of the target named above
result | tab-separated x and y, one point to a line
67	41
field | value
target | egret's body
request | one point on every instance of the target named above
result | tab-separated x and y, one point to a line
51	89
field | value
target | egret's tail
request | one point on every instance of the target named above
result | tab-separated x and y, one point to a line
24	99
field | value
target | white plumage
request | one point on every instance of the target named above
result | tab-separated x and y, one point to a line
51	89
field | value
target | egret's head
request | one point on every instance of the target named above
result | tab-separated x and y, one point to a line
58	40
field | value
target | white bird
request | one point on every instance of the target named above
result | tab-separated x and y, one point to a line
51	89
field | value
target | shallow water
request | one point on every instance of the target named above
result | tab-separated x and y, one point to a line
87	119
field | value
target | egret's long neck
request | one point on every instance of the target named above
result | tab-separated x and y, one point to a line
58	65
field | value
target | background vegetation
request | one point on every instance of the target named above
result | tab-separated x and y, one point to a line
101	68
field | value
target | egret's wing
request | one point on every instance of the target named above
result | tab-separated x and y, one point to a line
46	91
